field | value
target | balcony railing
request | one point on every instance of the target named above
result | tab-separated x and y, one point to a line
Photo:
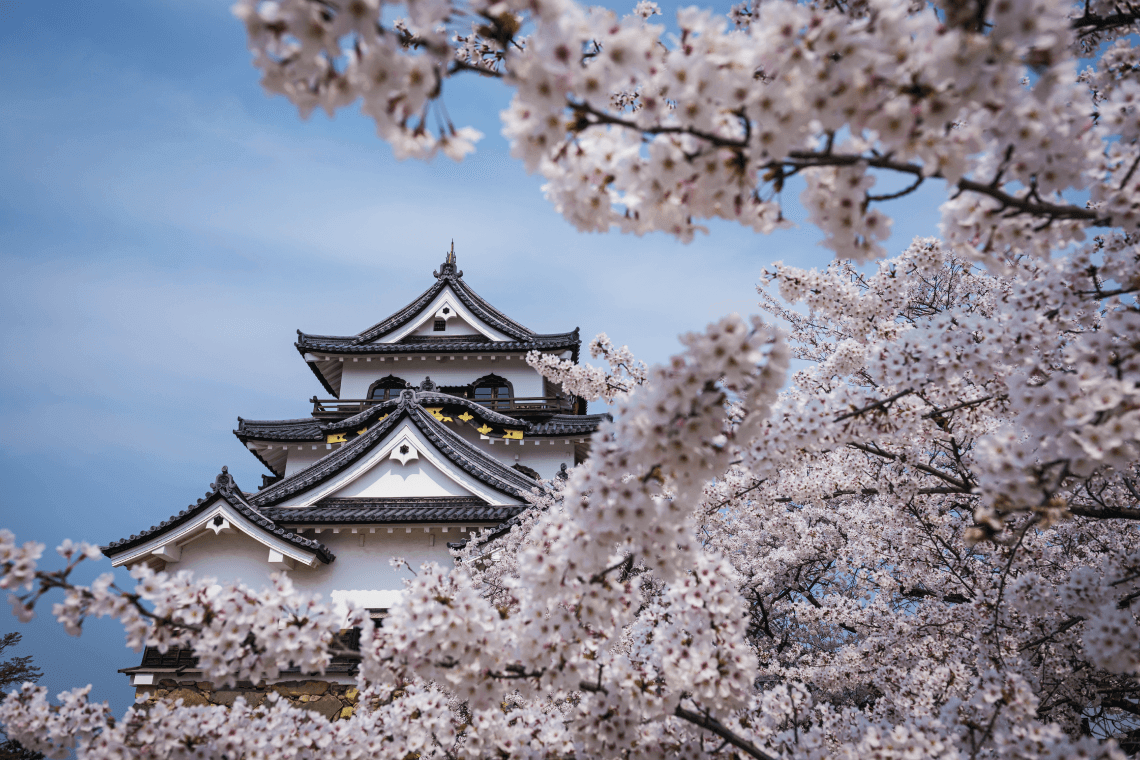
519	405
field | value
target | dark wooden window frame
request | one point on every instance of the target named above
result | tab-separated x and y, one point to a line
495	383
388	384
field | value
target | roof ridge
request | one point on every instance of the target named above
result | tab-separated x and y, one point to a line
401	316
242	421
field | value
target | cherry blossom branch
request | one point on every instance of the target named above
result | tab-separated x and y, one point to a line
713	725
876	451
883	404
1105	513
1090	22
1072	621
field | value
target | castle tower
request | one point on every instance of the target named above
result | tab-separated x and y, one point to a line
435	429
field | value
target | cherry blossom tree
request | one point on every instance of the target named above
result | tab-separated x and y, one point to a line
921	542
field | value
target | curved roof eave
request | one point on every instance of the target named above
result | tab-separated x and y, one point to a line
222	489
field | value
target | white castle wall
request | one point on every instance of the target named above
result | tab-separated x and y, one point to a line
543	455
303	455
361	564
455	326
391	479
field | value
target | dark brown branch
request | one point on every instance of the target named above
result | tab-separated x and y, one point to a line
1106	513
709	723
585	110
458	66
905	191
1064	627
600	576
876	492
1023	205
883	404
956	407
736	495
1089	23
706	722
875	450
921	593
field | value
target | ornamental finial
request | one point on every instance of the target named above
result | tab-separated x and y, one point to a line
448	269
224	483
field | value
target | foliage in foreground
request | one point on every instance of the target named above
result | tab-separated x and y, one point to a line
924	545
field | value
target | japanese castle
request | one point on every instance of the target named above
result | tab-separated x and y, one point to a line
434	427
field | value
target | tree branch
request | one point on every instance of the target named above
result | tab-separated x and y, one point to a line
710	723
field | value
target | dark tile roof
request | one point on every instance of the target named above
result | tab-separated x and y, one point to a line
222	489
317	431
340	344
394	510
524	339
431	399
483	467
568	424
305	429
448	274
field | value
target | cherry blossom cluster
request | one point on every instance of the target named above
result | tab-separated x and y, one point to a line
924	544
237	633
640	129
589	382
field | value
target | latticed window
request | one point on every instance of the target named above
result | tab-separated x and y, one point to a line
440	325
491	387
387	388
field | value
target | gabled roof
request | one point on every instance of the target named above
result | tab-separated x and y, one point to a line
448	277
222	489
448	274
493	423
385	418
394	510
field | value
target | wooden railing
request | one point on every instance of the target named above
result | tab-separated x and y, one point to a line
510	406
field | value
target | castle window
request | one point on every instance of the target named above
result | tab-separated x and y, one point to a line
493	390
387	388
440	325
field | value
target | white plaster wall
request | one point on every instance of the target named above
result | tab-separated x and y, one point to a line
359	375
229	557
455	326
378	458
303	457
238	558
543	455
446	296
418	477
546	459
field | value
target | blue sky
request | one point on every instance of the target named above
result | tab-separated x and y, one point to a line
165	227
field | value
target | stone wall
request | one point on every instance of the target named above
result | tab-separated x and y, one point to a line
332	701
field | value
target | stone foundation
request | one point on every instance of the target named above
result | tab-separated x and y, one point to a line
330	700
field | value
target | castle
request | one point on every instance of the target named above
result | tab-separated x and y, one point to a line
435	429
